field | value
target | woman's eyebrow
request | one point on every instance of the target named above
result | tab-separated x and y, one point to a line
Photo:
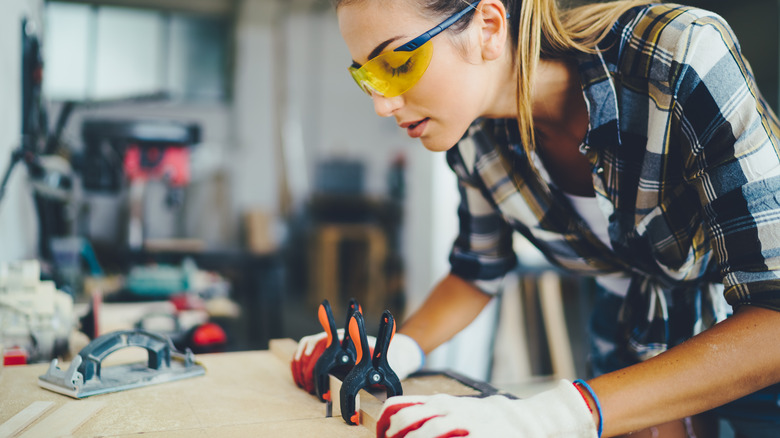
377	50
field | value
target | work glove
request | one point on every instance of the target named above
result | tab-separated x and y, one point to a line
559	412
404	356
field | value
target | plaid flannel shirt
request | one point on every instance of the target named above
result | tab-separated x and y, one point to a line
686	167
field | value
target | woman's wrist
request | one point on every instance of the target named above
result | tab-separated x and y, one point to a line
592	402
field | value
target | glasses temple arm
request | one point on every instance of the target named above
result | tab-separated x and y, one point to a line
424	38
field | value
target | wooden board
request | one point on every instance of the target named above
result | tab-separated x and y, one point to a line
243	394
65	420
27	416
366	404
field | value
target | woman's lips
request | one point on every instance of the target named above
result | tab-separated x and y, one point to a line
416	129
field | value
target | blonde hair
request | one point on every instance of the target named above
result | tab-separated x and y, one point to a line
544	30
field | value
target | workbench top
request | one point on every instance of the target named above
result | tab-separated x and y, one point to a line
243	394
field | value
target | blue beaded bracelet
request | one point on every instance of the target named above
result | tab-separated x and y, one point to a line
587	387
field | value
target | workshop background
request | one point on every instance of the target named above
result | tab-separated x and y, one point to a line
215	159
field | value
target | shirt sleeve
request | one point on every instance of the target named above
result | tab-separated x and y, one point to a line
482	252
729	140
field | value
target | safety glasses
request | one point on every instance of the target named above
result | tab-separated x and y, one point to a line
393	73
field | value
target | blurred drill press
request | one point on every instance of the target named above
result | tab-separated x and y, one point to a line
141	151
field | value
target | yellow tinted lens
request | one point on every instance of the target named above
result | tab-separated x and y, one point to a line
392	73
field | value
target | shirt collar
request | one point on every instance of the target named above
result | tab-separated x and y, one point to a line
598	87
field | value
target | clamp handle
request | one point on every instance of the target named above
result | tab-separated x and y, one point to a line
337	356
385	335
325	315
347	342
369	370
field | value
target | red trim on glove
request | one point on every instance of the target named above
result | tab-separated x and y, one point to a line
303	369
584	397
454	433
383	424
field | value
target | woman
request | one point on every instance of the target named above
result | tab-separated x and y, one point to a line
628	142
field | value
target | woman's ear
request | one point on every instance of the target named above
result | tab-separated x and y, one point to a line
493	26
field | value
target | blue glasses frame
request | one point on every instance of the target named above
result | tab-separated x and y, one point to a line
425	37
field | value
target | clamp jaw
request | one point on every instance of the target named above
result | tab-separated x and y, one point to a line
369	370
338	357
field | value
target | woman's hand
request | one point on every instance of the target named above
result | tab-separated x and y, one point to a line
561	411
310	348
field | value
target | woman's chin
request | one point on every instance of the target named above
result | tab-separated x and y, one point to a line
434	144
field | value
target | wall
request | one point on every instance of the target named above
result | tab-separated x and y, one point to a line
253	157
332	116
431	228
17	218
295	103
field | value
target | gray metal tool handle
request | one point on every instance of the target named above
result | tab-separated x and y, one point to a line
158	346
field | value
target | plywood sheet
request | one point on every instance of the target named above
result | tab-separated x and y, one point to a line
24	418
65	420
251	392
243	394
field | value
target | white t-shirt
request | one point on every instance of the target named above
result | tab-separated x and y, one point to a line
587	207
589	210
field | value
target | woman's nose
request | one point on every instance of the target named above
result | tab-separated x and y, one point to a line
386	106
